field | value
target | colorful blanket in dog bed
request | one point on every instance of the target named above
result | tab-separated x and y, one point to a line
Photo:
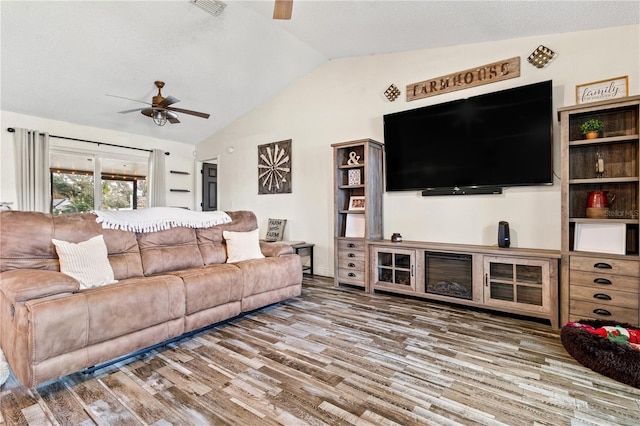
616	333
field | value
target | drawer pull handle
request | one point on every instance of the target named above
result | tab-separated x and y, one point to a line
351	274
602	265
351	245
603	281
351	265
351	255
603	312
602	296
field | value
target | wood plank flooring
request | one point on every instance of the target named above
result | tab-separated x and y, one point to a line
338	356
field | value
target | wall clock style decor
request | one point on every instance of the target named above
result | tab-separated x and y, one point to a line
274	168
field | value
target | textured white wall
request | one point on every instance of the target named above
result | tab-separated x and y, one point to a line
343	100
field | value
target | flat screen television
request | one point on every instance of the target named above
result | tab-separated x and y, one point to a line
479	144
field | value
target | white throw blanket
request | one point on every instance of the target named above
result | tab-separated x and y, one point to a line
158	218
4	369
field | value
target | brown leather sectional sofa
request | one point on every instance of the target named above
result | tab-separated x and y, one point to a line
170	282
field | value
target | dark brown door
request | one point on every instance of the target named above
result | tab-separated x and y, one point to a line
209	187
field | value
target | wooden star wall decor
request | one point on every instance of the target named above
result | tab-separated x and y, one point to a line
274	168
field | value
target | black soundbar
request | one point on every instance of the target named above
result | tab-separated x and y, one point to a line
471	190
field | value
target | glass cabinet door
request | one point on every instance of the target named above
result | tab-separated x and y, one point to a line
394	267
512	281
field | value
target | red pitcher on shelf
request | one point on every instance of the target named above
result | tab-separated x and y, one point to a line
600	198
598	203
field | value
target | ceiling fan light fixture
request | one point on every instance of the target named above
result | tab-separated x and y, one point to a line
160	117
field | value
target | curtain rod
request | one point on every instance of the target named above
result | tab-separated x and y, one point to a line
12	130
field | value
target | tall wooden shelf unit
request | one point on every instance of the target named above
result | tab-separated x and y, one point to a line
599	284
357	173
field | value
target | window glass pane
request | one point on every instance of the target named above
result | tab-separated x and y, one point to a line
142	193
71	183
124	184
72	192
117	194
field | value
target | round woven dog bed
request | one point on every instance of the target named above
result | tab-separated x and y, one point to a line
615	360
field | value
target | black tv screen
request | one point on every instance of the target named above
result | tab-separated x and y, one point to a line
498	139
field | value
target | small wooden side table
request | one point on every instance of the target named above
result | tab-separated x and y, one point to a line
305	250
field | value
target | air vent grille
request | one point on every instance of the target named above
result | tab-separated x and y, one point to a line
214	7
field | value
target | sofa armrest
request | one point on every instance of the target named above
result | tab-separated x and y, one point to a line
275	249
19	285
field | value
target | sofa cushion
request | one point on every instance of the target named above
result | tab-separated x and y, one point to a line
26	241
275	249
133	304
210	286
210	239
261	275
19	285
61	325
124	254
210	244
242	245
173	249
122	246
86	261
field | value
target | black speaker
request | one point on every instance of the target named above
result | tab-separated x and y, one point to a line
503	234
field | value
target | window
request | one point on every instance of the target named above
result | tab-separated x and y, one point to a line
122	182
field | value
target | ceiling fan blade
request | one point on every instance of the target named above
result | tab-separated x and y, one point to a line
130	110
186	111
168	101
129	99
147	111
173	120
282	9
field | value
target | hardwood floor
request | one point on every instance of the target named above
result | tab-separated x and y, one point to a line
340	356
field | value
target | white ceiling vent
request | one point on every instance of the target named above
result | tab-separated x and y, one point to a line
214	7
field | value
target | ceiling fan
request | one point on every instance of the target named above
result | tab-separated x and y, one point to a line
161	110
283	9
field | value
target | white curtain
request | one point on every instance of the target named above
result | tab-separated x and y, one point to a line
157	179
32	170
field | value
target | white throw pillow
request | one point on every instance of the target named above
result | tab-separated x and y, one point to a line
87	262
242	245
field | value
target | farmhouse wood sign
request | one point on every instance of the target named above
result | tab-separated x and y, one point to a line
478	76
604	89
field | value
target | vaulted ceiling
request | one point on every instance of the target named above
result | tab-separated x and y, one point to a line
60	58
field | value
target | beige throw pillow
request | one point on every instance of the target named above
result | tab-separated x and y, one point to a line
242	245
87	262
275	230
